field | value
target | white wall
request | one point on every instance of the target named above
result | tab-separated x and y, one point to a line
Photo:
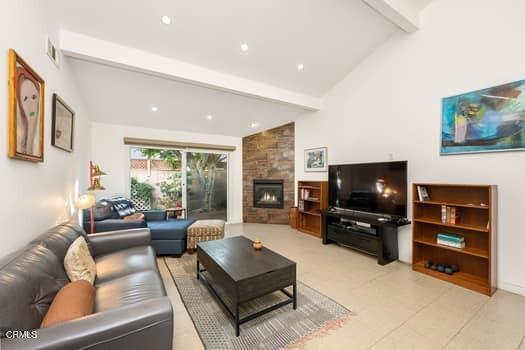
37	196
391	104
109	151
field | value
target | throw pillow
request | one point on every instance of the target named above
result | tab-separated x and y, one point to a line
122	206
134	217
79	263
74	300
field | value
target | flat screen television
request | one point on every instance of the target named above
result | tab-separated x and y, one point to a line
379	188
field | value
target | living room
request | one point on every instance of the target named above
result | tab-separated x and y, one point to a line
337	174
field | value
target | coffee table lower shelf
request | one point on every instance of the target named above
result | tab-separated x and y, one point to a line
292	298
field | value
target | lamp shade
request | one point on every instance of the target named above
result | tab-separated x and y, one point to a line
85	201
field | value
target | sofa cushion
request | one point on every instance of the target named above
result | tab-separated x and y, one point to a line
74	300
128	290
169	229
102	210
59	238
79	263
29	280
116	225
125	262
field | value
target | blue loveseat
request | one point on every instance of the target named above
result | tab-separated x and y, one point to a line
168	236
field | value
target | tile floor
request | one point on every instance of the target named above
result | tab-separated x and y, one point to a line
393	307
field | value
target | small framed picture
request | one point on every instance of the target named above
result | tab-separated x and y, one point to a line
26	111
63	124
315	159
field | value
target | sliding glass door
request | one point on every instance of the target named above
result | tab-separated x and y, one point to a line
170	178
207	185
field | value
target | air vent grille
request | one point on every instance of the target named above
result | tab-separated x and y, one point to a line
51	51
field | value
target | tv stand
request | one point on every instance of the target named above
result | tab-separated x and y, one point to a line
377	238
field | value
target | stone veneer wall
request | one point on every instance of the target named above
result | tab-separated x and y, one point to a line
269	155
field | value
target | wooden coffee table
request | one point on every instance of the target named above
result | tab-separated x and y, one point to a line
239	274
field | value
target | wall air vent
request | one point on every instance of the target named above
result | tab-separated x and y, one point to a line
51	51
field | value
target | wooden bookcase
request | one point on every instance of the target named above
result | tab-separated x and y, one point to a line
309	219
477	224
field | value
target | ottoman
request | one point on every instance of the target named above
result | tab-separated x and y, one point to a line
168	237
203	230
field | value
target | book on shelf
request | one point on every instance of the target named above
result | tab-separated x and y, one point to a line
451	237
450	215
304	194
448	243
422	193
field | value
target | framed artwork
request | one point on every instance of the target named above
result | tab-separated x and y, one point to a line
63	124
488	120
315	159
26	111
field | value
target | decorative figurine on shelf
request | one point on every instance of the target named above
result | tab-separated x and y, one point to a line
257	245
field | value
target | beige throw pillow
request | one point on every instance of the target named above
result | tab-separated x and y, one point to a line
79	263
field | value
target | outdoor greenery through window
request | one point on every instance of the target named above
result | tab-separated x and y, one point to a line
166	178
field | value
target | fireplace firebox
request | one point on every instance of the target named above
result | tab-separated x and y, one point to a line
268	193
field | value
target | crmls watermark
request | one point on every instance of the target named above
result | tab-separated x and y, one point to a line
20	335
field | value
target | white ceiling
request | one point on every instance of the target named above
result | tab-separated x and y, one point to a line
123	97
328	36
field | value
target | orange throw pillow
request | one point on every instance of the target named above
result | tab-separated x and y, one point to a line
74	300
134	217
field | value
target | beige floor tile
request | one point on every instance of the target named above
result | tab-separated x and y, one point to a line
405	338
447	315
499	324
185	334
354	335
392	306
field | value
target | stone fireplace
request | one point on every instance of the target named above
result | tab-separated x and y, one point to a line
269	155
268	193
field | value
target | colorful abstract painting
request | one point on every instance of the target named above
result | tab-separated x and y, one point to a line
487	120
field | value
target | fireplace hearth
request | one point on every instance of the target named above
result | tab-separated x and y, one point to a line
268	193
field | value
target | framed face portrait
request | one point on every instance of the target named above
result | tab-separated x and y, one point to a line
26	111
62	125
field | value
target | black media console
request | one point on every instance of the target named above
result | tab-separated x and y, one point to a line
372	234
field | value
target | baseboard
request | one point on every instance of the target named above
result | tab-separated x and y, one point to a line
513	288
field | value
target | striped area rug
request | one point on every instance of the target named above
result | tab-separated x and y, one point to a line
283	328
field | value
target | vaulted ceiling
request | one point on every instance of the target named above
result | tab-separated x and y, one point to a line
328	37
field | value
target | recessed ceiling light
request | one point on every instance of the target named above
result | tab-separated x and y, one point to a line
300	66
254	125
166	20
154	109
209	117
244	47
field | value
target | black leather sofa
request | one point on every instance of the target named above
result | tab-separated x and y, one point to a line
132	310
